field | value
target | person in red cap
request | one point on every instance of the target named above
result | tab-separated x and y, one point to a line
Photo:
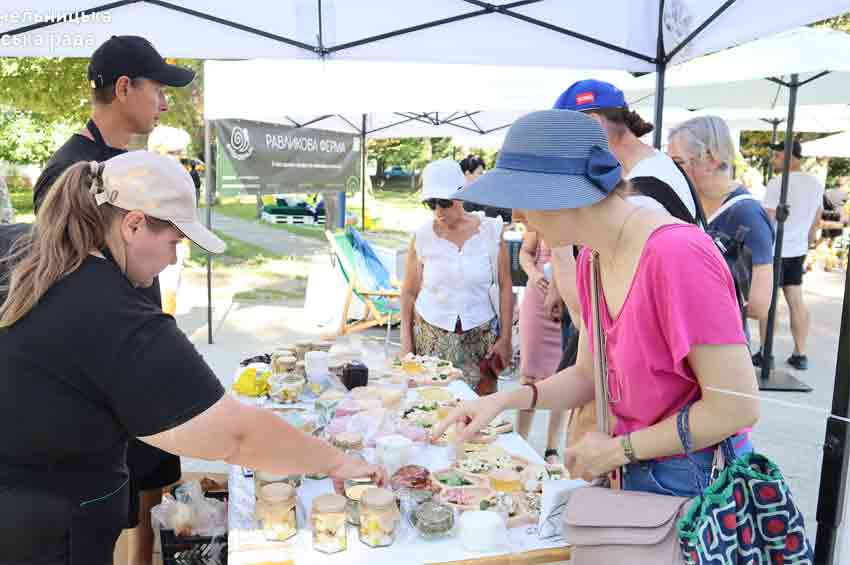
128	79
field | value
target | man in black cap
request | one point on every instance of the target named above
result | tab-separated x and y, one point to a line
805	205
128	79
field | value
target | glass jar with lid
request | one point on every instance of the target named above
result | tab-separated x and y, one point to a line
328	522
379	517
433	520
353	490
275	511
283	364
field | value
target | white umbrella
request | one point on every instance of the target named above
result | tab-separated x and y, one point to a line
837	145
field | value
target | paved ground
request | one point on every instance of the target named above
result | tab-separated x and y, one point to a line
275	240
791	429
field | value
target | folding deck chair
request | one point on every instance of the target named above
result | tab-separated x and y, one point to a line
368	279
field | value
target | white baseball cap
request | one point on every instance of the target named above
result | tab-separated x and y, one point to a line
160	187
441	179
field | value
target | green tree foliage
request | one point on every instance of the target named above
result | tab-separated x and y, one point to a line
56	90
25	138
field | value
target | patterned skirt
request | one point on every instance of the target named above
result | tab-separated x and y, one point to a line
464	350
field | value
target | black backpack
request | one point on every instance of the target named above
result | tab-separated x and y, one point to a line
737	255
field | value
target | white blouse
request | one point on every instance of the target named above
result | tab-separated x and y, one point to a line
456	282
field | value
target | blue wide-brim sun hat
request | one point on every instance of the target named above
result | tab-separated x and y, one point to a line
550	160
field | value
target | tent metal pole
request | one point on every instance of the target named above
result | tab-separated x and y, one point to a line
363	174
660	76
659	104
208	182
836	456
773	138
770	379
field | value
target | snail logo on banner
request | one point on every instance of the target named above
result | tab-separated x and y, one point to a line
240	143
258	157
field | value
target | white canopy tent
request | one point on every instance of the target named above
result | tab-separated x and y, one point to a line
837	145
615	34
757	74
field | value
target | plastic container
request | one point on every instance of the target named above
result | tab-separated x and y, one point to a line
316	364
379	518
327	520
193	550
275	511
283	364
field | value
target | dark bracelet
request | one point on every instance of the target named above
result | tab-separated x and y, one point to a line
533	395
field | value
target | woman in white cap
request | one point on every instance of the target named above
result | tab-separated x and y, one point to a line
680	380
86	371
449	307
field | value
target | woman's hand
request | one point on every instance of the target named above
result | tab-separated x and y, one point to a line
553	305
503	348
469	417
537	279
596	455
356	468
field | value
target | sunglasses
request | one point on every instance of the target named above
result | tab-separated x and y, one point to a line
432	203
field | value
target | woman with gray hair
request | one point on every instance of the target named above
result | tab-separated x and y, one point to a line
703	147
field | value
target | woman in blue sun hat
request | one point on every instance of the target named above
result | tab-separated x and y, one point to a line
674	342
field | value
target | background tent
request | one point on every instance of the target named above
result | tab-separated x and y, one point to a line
837	145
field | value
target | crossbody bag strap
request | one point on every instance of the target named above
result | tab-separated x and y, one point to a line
728	204
600	357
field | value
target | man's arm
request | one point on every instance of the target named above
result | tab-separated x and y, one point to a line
816	222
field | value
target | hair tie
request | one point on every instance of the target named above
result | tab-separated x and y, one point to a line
97	190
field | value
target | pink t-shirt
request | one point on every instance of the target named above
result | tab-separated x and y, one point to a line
682	295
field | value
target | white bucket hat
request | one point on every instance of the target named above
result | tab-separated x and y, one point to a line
441	179
157	185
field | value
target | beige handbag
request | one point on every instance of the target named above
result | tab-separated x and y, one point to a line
615	527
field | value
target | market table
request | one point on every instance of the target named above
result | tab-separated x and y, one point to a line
247	546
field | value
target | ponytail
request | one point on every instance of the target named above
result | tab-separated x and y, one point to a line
69	225
626	119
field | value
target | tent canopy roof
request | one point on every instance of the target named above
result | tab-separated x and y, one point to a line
615	34
837	145
751	75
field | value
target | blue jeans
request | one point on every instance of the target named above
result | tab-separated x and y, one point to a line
677	476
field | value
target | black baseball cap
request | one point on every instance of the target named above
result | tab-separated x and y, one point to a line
133	57
796	148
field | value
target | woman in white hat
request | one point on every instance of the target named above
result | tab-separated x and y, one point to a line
449	304
88	361
680	379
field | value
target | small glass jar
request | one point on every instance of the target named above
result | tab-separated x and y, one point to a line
302	347
262	479
353	490
379	517
433	520
328	522
275	511
300	369
282	365
323	345
291	389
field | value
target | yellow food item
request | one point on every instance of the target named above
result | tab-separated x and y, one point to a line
412	367
505	480
434	394
250	383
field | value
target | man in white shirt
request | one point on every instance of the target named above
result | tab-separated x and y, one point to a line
805	204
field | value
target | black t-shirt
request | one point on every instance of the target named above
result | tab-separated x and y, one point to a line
81	148
77	148
92	365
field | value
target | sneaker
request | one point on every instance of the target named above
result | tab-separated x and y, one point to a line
799	362
758	360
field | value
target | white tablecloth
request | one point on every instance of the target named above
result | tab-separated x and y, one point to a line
247	546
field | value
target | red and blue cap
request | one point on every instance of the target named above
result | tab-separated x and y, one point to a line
591	94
